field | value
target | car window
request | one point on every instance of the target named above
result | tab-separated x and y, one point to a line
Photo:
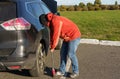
37	8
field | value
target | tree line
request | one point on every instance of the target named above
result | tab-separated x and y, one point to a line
97	5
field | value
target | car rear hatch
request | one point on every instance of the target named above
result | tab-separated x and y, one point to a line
7	38
7	41
11	32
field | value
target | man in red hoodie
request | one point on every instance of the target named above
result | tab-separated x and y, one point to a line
61	27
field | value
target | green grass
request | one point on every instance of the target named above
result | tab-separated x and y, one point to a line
102	25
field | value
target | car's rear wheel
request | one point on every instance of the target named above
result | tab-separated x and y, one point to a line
39	65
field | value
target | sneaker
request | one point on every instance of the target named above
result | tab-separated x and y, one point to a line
59	73
74	75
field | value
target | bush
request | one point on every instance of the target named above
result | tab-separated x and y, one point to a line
91	8
77	8
113	7
63	8
116	7
97	8
104	7
70	8
85	8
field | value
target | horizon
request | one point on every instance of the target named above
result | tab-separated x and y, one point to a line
76	2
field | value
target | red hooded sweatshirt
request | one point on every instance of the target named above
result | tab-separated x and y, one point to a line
61	27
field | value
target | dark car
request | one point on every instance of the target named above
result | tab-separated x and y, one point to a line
24	42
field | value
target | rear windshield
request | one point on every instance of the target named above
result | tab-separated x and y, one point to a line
7	11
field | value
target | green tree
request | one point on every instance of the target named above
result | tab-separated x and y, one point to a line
104	7
81	4
63	8
97	2
58	8
116	3
85	8
97	7
77	8
70	8
90	6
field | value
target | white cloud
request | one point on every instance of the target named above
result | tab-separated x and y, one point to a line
67	2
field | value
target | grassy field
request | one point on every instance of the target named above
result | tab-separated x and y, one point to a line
102	25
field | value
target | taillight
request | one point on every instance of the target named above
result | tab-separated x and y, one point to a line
16	24
14	67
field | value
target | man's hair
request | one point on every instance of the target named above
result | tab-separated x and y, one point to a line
42	18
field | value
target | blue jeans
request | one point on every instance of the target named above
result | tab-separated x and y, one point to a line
69	50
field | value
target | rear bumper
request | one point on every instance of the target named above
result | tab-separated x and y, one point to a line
26	63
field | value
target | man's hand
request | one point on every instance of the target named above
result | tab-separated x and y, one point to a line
51	50
66	39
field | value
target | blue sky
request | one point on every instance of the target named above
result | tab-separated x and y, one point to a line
76	2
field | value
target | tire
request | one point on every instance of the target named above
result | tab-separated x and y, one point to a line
39	65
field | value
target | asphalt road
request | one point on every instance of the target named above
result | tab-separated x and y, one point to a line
95	62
